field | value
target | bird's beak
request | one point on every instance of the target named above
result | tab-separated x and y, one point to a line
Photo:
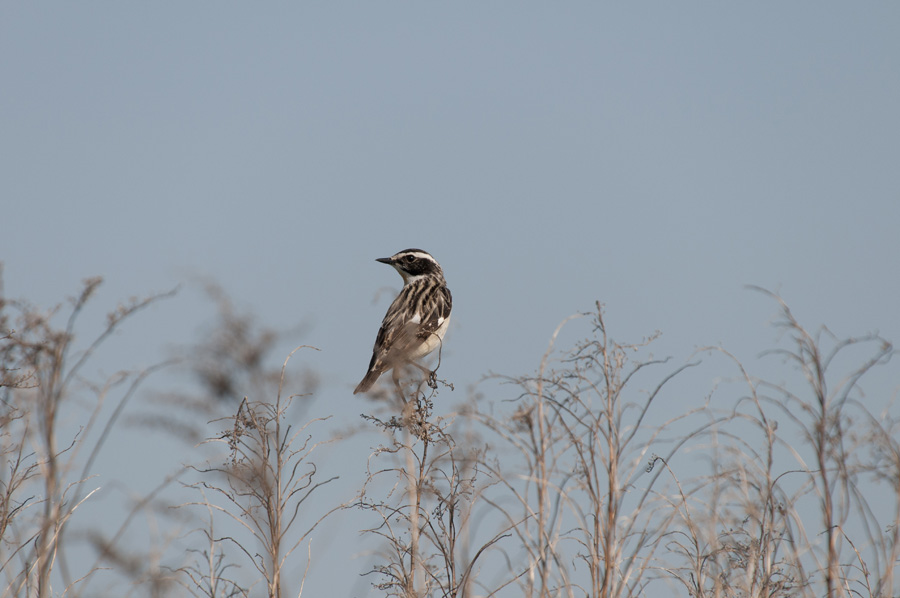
384	260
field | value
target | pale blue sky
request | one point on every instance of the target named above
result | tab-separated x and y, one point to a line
655	157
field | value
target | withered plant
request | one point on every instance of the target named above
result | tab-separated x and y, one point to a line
587	511
422	487
46	464
261	491
803	483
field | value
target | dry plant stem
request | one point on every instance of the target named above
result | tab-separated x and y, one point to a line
425	516
51	378
265	487
827	431
614	565
885	435
107	547
414	491
584	445
766	526
208	577
544	557
760	545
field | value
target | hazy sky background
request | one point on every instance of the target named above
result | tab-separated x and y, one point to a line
655	157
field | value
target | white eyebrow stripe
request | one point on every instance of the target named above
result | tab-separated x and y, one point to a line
418	254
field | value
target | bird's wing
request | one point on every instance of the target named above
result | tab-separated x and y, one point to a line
399	334
436	312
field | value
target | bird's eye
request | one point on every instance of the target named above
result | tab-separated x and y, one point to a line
410	259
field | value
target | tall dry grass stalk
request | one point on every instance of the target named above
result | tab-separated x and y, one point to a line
582	487
422	487
46	473
795	480
585	507
262	490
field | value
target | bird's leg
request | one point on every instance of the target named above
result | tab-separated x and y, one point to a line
395	376
430	375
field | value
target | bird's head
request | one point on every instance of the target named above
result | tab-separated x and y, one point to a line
413	264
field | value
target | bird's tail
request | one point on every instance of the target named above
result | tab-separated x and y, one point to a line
367	382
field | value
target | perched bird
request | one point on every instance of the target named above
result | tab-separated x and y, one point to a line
416	321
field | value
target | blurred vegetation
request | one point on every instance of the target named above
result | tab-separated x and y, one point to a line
564	482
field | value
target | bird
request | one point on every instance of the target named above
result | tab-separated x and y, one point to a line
416	321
